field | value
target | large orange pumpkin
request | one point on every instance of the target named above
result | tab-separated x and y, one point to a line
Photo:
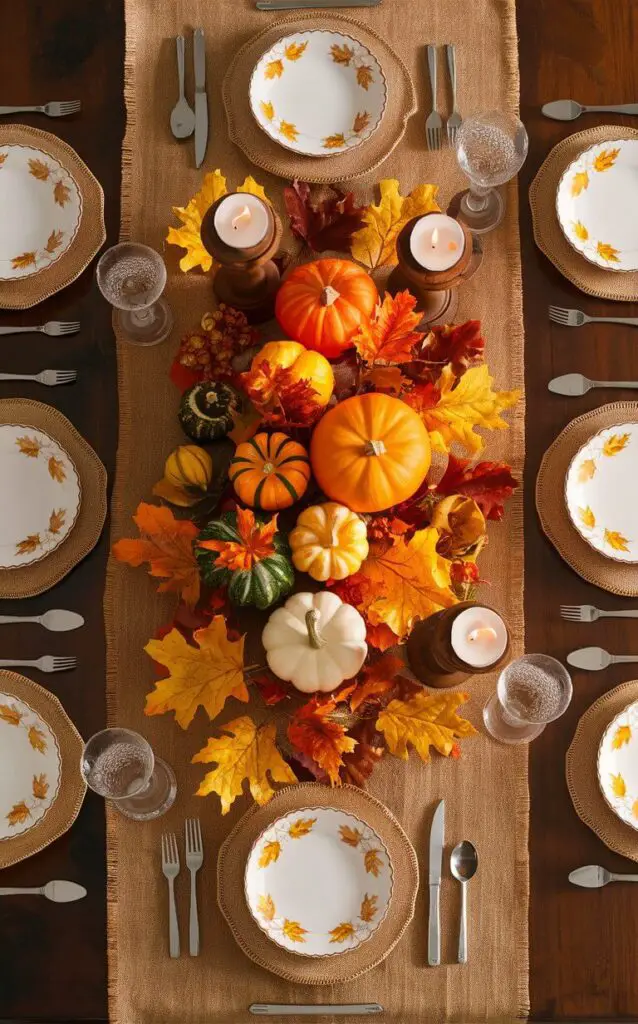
303	365
370	452
270	471
322	304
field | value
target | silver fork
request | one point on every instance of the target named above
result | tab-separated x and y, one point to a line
53	109
576	318
454	120
49	377
54	328
170	868
194	859
46	664
587	613
434	124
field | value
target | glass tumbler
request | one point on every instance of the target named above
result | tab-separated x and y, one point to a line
132	278
531	691
491	149
119	765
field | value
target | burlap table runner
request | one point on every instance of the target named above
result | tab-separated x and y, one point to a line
486	791
547	231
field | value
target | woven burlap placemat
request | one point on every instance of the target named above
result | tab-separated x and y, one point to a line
90	236
606	284
264	151
581	771
66	806
614	576
255	943
29	580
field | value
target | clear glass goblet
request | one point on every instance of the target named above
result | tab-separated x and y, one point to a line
491	149
132	278
119	765
531	691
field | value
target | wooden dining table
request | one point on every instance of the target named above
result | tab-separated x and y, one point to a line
583	943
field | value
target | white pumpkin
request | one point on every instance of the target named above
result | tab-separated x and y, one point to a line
315	641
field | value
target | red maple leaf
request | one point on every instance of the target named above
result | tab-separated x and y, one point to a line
462	345
270	687
325	225
490	484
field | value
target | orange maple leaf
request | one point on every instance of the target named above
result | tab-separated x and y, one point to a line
166	543
313	733
380	636
377	679
390	337
257	542
18	814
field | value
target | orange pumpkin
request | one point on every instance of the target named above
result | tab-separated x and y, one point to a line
370	452
303	365
271	471
322	304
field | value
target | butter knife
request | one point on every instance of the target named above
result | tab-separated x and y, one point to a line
201	99
302	5
313	1009
437	839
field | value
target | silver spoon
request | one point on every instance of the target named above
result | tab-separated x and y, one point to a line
463	865
569	110
594	877
593	659
573	384
182	115
57	891
56	620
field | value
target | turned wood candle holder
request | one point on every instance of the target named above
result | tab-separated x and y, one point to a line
248	279
431	656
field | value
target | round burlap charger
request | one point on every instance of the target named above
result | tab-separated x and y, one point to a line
29	580
320	970
582	778
91	234
66	806
614	576
606	284
263	151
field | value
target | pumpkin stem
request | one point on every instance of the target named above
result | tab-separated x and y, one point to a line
315	638
374	448
329	295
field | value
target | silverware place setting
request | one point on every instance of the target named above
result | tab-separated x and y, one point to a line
588	613
594	659
574	385
592	876
569	110
55	108
576	318
52	378
48	663
57	891
314	1009
305	5
54	328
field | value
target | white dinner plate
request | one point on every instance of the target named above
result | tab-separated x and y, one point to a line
318	881
40	495
618	765
601	491
30	767
318	93
40	209
597	204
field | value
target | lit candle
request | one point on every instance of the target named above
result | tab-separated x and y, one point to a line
479	636
241	220
437	242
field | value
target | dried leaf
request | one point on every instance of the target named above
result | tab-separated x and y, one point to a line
342	932
278	397
313	733
467	404
39	169
301	827
61	193
373	862
37	739
57	470
274	69
587	517
341	54
30	544
376	679
295	50
54	241
269	854
462	346
325	225
390	337
257	543
18	814
580	231
384	378
40	787
489	484
288	130
29	446
350	836
166	544
374	245
272	689
364	76
368	908
208	351
381	636
426	720
56	520
335	141
586	470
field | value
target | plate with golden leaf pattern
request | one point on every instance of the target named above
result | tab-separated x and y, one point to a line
318	881
596	204
41	210
318	93
601	492
40	495
618	765
30	767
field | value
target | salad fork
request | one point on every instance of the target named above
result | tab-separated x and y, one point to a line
170	869
54	328
454	120
194	859
48	663
434	124
576	318
49	377
587	613
53	109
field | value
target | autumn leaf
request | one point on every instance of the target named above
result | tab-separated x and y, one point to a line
425	720
328	224
607	252
61	193
30	544
614	444
618	786
271	689
587	517
489	484
467	404
278	397
267	110
373	862
274	69
374	245
257	543
621	736
335	141
288	130
376	679
293	931
580	181
350	836
54	241
364	76
18	814
361	122
390	336
37	739
606	159
461	345
40	787
243	752
10	714
580	231
301	827
616	540
29	446
266	907
586	470
295	50
39	169
166	544
56	520
384	378
341	54
56	469
368	908
380	635
342	932
312	732
26	259
269	854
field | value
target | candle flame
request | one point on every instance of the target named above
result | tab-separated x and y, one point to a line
483	633
435	238
243	217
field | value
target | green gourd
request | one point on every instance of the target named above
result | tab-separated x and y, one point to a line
206	410
262	585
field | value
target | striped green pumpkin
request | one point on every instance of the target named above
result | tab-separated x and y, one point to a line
271	471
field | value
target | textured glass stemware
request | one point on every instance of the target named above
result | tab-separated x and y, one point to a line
491	149
531	691
132	278
119	765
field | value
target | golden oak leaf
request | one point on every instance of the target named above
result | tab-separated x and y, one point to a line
61	193
56	520
267	110
29	446
25	259
342	932
350	836
587	517
423	721
616	540
374	245
467	403
373	862
335	141
606	159
411	579
166	543
243	752
10	714
293	931
621	736
18	813
39	169
376	679
586	470
37	739
274	69
54	241
313	732
288	130
580	181
607	252
269	854
56	469
257	542
364	76
40	787
266	907
30	543
361	122
390	337
301	827
618	786
295	50
368	908
200	676
615	444
341	54
580	231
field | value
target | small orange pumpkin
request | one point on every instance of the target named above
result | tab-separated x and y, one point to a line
370	452
303	365
322	304
270	471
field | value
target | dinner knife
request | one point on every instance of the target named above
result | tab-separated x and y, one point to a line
313	1009
201	99
437	838
302	5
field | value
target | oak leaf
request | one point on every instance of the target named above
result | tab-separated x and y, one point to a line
39	169
489	484
295	50
57	470
374	245
56	520
368	908
18	814
293	931
467	403
425	720
30	543
335	141
269	854
621	736
10	714
373	862
312	732
350	836
266	907
37	739
301	827
342	932
40	787
390	337
364	76
166	543
61	193
29	446
257	543
328	224
341	54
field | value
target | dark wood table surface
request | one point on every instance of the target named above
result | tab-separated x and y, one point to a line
583	945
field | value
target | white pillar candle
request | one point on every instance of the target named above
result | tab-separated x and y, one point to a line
241	220
479	637
437	242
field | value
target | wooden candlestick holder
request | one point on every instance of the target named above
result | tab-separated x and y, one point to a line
431	656
248	279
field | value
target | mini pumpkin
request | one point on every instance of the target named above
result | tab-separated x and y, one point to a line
328	542
189	467
315	641
303	365
264	582
370	452
322	304
207	410
270	471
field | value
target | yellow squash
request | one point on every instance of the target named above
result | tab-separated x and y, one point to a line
329	541
303	365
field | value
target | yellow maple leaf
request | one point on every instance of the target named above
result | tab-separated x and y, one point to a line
607	252
295	50
586	470
37	739
341	54
580	231
288	130
373	862
335	141
253	188
580	181
267	110
425	720
301	827
10	714
204	675
293	931
243	752
40	787
618	786
615	444
587	517
368	908
274	69
269	854
342	932
18	814
616	540
606	159
621	736
374	245
188	236
350	836
467	404
266	907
